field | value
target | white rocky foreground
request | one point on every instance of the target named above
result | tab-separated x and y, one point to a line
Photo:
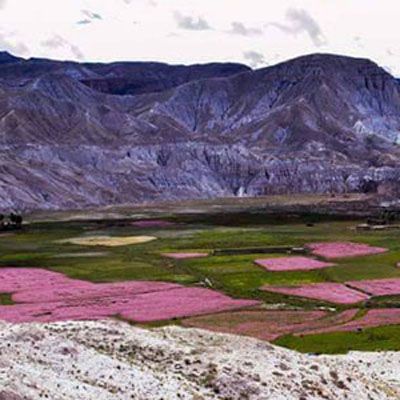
112	360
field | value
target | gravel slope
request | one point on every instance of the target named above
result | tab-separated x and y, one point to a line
112	360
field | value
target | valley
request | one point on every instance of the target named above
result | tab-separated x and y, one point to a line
218	253
199	200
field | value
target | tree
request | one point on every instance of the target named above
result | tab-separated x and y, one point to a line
18	221
14	221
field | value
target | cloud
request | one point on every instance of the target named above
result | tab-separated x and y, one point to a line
84	22
300	21
238	28
254	58
190	23
7	44
358	41
57	42
152	3
76	51
173	35
3	3
91	15
390	52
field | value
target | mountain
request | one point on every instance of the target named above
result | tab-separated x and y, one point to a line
75	135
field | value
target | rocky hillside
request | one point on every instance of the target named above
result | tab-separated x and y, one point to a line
75	135
110	360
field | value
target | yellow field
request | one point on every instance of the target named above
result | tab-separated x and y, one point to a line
109	241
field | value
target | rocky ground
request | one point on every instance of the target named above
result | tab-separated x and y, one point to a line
112	360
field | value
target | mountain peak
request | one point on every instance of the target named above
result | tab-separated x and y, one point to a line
6	57
327	62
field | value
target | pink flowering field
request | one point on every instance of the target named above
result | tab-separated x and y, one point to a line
184	256
292	264
327	291
343	249
182	302
44	296
378	287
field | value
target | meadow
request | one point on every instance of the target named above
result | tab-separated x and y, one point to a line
48	245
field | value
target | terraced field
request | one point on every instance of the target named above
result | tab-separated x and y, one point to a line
223	272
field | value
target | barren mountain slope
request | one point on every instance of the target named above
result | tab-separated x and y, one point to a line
111	360
73	135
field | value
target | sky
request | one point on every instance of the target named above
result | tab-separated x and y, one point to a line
254	32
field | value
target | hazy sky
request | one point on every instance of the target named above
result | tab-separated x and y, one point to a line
256	32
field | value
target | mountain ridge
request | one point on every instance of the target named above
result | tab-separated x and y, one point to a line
79	135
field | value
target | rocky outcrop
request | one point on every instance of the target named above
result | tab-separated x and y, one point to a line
75	135
112	360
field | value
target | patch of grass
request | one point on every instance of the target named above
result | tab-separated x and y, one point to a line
384	338
5	299
384	302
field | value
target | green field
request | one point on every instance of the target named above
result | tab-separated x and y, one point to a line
37	245
384	338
